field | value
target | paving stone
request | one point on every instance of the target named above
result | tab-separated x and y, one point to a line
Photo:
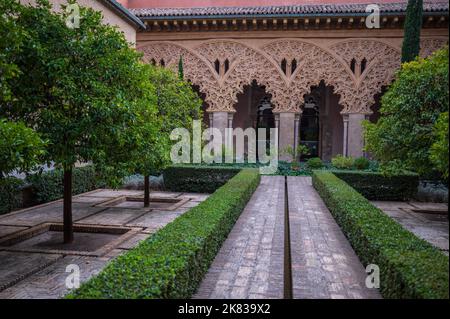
51	213
50	283
431	227
8	230
133	241
15	266
114	216
111	193
324	264
250	262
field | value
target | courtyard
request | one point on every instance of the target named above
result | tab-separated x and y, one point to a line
194	150
33	261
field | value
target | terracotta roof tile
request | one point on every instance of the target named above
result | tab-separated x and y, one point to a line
306	9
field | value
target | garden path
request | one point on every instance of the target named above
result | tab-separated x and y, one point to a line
251	263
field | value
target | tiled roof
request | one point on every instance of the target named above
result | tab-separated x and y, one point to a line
125	13
306	9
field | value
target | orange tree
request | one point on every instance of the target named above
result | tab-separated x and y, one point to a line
84	90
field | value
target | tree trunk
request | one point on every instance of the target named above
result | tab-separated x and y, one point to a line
146	191
68	224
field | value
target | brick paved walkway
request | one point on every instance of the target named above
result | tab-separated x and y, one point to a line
250	264
324	264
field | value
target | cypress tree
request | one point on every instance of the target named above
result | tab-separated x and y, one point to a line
180	68
413	24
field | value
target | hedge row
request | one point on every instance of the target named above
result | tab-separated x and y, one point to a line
44	187
375	186
10	194
196	178
172	262
409	267
48	186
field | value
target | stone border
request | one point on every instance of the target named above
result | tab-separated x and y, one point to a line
112	203
127	233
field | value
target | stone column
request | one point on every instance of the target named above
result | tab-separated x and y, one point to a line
220	121
286	133
355	135
345	135
297	131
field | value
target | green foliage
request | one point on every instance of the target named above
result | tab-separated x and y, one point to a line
314	163
300	151
172	262
413	24
439	149
196	178
10	194
48	186
377	186
20	147
409	267
342	162
403	135
177	105
180	68
84	90
361	163
12	36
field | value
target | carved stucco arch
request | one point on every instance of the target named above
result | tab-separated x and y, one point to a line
382	61
195	69
314	65
246	64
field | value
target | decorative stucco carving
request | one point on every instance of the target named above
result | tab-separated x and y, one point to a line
381	62
357	69
428	46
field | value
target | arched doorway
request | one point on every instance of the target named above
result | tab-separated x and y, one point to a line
321	124
254	109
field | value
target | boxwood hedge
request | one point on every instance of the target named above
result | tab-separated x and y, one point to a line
172	262
375	186
10	194
48	186
196	178
409	267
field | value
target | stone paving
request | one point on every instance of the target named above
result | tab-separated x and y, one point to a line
251	260
250	264
25	273
428	221
324	264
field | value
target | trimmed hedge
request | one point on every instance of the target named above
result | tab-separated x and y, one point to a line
10	194
196	178
48	186
172	262
375	186
409	267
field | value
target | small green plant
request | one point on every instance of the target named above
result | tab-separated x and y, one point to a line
361	163
342	162
314	163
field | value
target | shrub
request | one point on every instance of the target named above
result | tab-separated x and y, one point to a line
409	112
196	178
172	262
48	186
342	162
314	163
10	194
409	267
376	186
439	149
361	163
